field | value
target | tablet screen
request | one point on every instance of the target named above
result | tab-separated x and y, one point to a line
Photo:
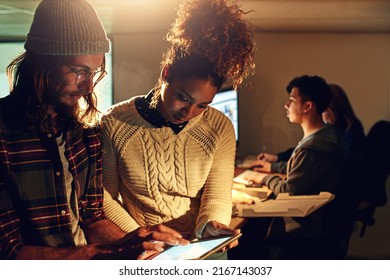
195	250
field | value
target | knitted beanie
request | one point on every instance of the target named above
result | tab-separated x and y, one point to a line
66	27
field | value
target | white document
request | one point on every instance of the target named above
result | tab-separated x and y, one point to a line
240	179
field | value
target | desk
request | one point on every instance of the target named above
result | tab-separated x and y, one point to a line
251	246
248	193
252	243
238	222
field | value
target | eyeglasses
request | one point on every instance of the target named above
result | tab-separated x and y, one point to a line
85	74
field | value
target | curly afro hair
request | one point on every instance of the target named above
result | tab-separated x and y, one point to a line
214	29
209	39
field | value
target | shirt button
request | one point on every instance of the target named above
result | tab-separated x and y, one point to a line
58	173
49	135
63	212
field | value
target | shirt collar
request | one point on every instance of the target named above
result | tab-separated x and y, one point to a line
152	116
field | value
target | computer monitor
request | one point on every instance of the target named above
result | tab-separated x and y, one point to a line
226	101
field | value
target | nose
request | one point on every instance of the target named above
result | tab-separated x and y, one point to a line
287	105
86	86
188	111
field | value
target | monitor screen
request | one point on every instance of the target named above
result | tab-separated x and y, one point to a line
226	101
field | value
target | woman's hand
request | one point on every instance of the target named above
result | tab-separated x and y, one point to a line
215	229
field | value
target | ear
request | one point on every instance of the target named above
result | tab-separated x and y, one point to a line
307	106
165	73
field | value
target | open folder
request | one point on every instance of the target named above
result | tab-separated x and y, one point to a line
284	205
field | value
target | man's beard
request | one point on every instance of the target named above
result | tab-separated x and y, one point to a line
65	111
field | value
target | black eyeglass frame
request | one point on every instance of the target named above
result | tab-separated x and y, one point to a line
87	75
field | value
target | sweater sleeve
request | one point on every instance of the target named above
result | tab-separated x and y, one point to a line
216	202
279	167
285	155
111	180
302	175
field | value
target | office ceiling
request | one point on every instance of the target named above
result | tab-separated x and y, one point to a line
126	16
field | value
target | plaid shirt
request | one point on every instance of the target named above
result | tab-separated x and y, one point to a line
33	204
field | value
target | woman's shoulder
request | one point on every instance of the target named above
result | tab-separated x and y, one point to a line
120	107
121	111
215	116
216	121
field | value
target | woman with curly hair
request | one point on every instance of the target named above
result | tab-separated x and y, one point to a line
168	156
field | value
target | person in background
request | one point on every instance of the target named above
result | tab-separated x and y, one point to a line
340	114
315	166
168	156
51	193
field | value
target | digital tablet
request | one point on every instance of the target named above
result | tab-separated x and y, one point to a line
196	250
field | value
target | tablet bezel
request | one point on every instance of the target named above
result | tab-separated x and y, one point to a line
210	251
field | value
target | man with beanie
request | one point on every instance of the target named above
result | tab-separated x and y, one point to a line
51	192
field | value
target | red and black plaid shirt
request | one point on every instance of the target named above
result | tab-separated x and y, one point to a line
33	204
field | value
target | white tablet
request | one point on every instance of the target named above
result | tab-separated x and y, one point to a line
196	250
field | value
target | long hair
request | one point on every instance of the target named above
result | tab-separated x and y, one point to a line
209	40
341	108
31	77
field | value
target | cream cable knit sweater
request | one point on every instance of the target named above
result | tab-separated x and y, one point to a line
152	175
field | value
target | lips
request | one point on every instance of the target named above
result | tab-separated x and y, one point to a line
178	118
76	96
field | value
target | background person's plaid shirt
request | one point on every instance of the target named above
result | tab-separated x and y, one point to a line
33	205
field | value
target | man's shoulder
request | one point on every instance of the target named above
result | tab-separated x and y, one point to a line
7	102
13	113
327	139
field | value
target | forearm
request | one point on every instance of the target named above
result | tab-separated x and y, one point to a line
52	253
130	247
216	200
276	184
279	167
103	231
115	211
112	206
